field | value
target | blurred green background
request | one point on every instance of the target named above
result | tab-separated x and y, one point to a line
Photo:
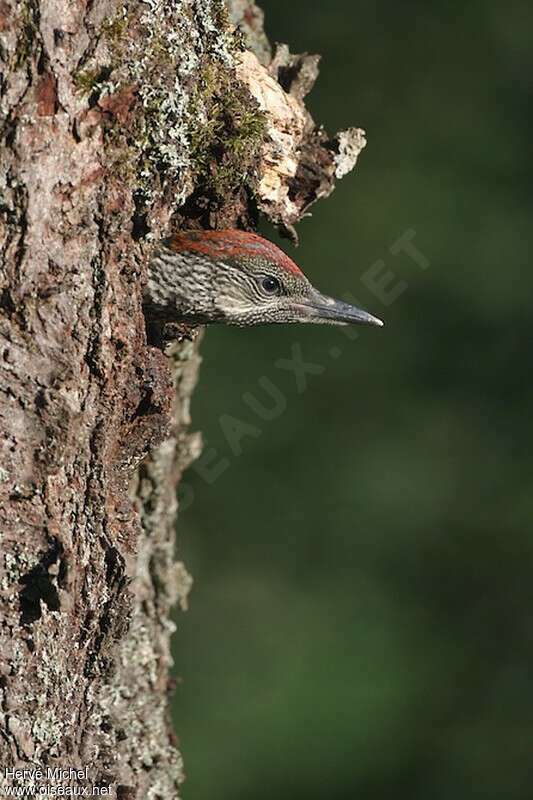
361	624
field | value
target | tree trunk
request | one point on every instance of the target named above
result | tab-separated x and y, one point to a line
118	120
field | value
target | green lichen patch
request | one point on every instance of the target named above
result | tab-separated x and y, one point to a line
28	27
114	29
91	81
226	133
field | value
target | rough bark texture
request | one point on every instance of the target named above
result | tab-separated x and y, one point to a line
117	121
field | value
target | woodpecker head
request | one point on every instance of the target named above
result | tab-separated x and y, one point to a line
236	278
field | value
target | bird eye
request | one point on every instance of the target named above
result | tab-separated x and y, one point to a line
270	285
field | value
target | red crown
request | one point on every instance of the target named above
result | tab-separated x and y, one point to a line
232	244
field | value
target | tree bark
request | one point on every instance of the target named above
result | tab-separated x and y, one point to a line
118	121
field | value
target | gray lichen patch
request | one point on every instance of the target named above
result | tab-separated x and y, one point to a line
131	711
249	18
347	147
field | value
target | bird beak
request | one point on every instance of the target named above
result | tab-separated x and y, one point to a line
320	308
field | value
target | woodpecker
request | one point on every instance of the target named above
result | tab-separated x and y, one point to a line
236	278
